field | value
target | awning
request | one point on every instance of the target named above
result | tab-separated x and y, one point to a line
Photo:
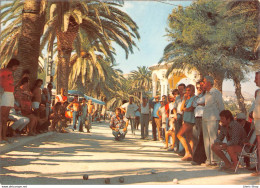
79	93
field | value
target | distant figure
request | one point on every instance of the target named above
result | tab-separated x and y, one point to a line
75	107
62	97
155	118
91	112
145	109
130	108
118	125
84	108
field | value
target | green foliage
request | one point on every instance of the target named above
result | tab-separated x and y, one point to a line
202	37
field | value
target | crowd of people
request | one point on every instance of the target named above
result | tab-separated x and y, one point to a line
31	111
199	126
201	130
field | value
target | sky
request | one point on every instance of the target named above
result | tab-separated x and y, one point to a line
151	18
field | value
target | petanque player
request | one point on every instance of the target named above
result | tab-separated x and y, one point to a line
118	125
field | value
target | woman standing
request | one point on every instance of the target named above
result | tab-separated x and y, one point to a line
188	122
6	95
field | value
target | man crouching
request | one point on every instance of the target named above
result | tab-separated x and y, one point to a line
236	137
118	125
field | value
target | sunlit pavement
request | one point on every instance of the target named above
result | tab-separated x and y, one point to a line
58	158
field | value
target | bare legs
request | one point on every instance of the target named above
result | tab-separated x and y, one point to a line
167	135
187	143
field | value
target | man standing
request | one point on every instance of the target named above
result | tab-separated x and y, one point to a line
210	118
130	108
155	119
84	114
179	118
91	112
256	116
144	118
198	155
236	137
76	109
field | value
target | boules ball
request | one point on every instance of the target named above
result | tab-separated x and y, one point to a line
121	180
107	181
85	177
175	181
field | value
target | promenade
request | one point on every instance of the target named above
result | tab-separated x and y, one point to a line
56	158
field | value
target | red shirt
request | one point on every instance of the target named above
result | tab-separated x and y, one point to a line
167	109
7	80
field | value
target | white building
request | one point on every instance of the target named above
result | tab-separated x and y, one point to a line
172	81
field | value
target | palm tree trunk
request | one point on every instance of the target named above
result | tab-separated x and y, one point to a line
62	70
65	42
29	41
240	98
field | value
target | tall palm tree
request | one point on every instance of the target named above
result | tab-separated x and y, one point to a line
100	21
141	79
21	38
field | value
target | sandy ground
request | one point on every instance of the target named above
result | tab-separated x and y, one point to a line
64	158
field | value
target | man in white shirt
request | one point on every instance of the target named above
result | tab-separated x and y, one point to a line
210	118
130	108
256	116
144	118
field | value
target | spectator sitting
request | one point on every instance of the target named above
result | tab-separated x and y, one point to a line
43	122
56	116
236	137
118	125
36	99
23	97
20	121
241	119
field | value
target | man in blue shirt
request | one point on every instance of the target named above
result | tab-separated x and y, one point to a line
155	119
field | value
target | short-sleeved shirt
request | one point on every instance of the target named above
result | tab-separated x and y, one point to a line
177	104
130	109
7	80
163	113
235	134
189	117
117	122
145	110
156	107
213	105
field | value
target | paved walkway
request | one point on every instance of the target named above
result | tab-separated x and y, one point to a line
56	158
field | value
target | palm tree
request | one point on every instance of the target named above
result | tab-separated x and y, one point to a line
100	21
141	80
21	38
